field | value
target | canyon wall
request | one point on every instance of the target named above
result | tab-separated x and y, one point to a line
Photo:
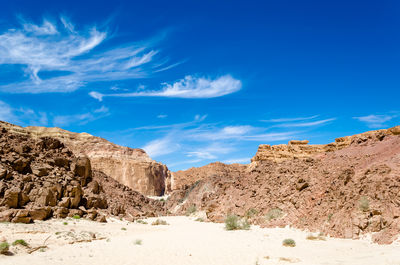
129	166
301	149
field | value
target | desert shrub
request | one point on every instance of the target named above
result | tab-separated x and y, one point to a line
140	221
233	222
138	242
65	223
192	209
76	217
274	214
4	247
318	237
363	203
199	219
20	242
288	242
159	222
123	229
251	213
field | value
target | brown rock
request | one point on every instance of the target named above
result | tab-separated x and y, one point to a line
11	197
46	197
41	213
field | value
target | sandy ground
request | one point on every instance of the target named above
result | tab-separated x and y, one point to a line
183	241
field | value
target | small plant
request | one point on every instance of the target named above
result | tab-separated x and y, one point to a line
192	209
274	214
319	237
233	222
140	221
65	223
199	219
251	213
159	222
330	217
288	242
20	242
364	204
123	229
57	233
42	249
4	247
76	216
138	242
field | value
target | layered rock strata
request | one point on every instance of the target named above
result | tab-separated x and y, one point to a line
129	166
41	178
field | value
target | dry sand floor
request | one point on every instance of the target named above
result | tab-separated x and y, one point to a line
183	241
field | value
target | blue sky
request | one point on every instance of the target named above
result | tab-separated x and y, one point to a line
194	82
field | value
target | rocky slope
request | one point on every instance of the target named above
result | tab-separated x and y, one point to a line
41	178
131	167
343	189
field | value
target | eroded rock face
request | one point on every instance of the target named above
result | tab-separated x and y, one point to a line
131	167
296	149
52	182
351	190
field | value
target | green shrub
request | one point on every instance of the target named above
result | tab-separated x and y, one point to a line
274	214
364	204
65	223
251	213
233	222
159	222
140	221
123	229
76	216
192	209
288	242
138	242
20	242
4	247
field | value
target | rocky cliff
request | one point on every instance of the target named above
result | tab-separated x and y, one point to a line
344	189
131	167
296	149
41	178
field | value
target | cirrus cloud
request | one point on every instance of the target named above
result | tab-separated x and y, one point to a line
188	87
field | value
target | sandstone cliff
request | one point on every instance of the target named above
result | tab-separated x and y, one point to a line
41	178
131	167
300	149
344	189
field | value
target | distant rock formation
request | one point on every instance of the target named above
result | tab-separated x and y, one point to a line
131	167
300	149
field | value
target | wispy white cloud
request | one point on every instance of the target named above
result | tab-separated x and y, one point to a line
82	118
291	119
188	87
22	116
6	112
162	116
375	121
210	152
67	56
237	160
305	124
162	146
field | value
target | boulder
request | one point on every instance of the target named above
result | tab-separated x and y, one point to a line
11	197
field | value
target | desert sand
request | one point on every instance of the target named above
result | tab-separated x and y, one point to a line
182	241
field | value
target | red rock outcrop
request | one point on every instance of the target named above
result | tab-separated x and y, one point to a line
41	178
345	192
131	167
